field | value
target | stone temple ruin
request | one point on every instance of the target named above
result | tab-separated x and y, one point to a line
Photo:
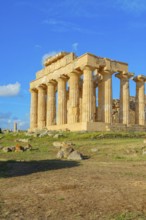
75	93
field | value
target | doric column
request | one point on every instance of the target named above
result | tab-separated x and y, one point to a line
62	102
124	96
41	107
51	103
107	96
140	99
74	97
34	109
94	101
100	98
87	100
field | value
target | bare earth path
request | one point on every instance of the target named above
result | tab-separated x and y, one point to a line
61	190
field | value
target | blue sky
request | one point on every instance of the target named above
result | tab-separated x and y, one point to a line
32	29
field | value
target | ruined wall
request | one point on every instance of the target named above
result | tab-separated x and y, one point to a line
116	108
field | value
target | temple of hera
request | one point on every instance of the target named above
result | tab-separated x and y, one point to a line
75	93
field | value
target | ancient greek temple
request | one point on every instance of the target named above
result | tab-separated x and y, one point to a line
75	93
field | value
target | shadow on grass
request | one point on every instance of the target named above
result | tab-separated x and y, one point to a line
13	168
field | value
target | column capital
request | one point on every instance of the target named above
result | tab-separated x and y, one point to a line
62	78
140	78
87	67
74	72
41	86
52	82
124	75
106	72
33	90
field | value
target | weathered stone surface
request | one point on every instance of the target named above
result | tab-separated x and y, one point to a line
58	136
19	148
8	149
28	147
76	79
94	150
144	152
75	155
57	144
22	140
66	151
60	155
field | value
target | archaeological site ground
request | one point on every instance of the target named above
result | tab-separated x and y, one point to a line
108	184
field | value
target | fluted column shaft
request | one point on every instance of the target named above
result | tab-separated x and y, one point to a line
124	116
74	97
62	102
41	107
140	100
124	101
87	100
34	109
100	102
94	102
107	97
51	104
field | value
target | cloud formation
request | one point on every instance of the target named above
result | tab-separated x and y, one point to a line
75	46
10	89
136	6
47	55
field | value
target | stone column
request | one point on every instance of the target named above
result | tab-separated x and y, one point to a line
62	102
107	96
51	103
124	96
15	127
87	100
41	107
140	99
74	97
94	101
34	109
100	98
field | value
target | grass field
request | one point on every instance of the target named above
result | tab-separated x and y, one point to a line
109	184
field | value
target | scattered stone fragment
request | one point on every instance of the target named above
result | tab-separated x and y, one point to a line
22	140
75	155
60	155
58	136
144	152
67	144
57	144
66	151
43	134
50	135
28	147
94	150
144	141
19	148
7	149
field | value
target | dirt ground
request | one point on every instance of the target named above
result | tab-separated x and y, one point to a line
63	190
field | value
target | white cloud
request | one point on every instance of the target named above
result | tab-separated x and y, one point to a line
10	89
47	55
136	6
75	46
